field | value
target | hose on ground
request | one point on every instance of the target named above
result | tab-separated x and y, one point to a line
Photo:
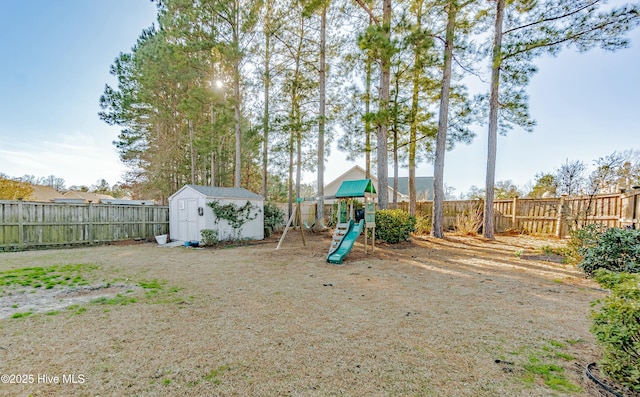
599	382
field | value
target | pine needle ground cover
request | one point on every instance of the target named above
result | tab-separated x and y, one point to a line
456	317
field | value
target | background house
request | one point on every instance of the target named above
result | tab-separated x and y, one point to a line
424	187
87	197
44	194
189	213
355	173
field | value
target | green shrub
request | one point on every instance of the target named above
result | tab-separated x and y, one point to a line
209	237
394	226
273	218
616	326
613	249
581	239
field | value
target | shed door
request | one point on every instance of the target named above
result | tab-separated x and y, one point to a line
188	220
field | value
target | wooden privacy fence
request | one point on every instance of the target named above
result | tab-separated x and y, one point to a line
26	224
550	216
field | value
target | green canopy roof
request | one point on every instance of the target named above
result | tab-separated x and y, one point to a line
355	188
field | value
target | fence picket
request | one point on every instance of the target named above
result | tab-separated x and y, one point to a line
32	224
545	216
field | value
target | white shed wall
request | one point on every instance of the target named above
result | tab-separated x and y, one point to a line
253	230
185	223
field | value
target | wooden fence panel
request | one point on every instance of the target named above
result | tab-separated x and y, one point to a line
605	210
630	210
9	223
537	216
31	224
503	215
550	216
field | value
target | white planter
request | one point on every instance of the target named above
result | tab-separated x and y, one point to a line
161	239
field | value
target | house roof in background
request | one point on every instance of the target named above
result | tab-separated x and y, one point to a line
424	186
44	194
356	172
87	196
225	192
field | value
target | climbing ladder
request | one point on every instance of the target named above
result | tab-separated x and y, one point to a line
338	235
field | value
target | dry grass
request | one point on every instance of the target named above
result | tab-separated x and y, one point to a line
469	222
428	318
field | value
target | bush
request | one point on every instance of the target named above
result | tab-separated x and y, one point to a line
613	249
393	226
209	237
423	225
273	218
470	221
580	240
617	327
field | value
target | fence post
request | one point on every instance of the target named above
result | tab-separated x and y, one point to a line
514	218
20	224
90	224
144	221
560	217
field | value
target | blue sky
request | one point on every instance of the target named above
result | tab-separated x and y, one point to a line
56	57
55	64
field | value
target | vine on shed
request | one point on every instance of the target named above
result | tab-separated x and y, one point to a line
235	215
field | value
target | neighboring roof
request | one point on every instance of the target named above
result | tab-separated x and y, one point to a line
424	186
356	188
354	173
44	193
67	200
225	192
87	196
127	202
356	170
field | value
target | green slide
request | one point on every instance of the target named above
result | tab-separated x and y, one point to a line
337	255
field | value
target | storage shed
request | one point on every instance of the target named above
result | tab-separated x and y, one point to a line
189	213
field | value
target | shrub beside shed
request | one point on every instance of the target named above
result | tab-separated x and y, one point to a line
189	213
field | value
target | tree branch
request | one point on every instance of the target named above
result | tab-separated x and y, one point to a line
369	11
560	41
552	18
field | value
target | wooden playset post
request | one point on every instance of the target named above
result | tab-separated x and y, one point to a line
370	220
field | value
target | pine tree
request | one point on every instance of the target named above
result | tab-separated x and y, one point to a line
526	29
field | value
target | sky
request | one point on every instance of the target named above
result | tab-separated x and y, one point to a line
55	64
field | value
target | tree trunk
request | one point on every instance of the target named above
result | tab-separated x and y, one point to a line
298	152
236	117
496	61
437	227
265	117
413	127
290	187
367	123
395	144
395	169
192	152
236	92
383	128
321	121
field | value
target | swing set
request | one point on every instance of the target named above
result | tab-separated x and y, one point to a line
350	223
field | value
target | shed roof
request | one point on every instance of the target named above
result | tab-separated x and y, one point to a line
226	192
355	188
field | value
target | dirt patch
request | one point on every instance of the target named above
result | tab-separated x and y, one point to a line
38	300
427	318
